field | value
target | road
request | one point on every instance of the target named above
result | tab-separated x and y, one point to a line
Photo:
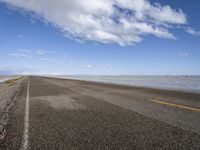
64	114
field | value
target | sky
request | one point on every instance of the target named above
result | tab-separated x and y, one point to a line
100	37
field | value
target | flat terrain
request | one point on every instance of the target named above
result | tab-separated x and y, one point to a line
60	114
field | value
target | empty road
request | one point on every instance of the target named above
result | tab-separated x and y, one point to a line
61	114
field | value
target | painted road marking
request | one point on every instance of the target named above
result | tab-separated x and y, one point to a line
26	120
175	105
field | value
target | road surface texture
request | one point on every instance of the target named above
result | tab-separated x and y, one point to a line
62	114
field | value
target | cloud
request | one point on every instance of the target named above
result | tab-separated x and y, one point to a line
84	64
192	31
125	22
18	55
26	53
43	52
37	53
183	54
87	66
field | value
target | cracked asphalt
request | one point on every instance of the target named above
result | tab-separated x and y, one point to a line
69	114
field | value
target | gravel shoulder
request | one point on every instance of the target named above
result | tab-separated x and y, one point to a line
8	91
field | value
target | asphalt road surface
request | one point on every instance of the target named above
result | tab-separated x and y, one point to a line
60	114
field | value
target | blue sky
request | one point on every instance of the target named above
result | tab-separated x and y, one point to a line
104	37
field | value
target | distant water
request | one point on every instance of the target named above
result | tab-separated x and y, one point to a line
183	83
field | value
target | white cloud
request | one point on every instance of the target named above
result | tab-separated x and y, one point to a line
143	9
26	53
124	22
18	55
193	32
43	52
183	54
87	66
84	64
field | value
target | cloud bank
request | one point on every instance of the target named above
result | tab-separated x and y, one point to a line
124	22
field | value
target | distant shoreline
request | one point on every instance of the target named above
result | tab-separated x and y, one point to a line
131	85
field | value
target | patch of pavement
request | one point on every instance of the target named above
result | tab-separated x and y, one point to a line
102	126
137	100
60	102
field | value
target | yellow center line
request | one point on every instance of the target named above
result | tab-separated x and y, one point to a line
175	105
